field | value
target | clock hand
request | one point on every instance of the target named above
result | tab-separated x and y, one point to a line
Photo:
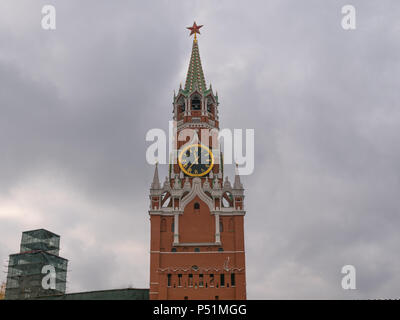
195	162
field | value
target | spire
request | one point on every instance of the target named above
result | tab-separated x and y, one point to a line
156	182
237	184
195	75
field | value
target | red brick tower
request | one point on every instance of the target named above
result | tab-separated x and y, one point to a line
197	236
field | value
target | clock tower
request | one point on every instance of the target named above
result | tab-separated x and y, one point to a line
197	236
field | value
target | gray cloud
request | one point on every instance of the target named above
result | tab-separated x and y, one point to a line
76	104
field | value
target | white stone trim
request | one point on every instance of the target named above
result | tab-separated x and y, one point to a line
229	213
202	125
196	190
161	213
197	244
176	228
189	252
217	234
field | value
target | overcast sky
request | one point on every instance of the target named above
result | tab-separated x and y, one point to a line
76	103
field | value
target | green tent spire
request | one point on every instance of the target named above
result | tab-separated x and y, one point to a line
195	75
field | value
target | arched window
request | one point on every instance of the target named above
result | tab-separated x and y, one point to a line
209	105
166	200
196	103
181	105
196	206
227	200
163	225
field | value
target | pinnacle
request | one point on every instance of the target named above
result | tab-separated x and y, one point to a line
237	184
156	182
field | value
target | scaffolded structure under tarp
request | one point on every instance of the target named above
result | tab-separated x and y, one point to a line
28	270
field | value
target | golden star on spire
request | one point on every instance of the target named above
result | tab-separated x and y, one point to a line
194	30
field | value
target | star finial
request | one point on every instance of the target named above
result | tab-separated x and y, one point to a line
194	30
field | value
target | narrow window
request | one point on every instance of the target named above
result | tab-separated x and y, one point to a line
221	226
173	250
222	280
196	103
216	297
196	206
186	298
220	249
233	282
172	227
201	282
179	280
181	105
190	280
211	280
196	249
169	280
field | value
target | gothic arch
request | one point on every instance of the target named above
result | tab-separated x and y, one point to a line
166	200
227	200
181	104
196	101
196	190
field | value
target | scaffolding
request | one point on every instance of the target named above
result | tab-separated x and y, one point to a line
40	239
39	248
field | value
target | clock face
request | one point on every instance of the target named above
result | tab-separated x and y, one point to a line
196	160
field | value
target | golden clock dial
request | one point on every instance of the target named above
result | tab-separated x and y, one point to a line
196	160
